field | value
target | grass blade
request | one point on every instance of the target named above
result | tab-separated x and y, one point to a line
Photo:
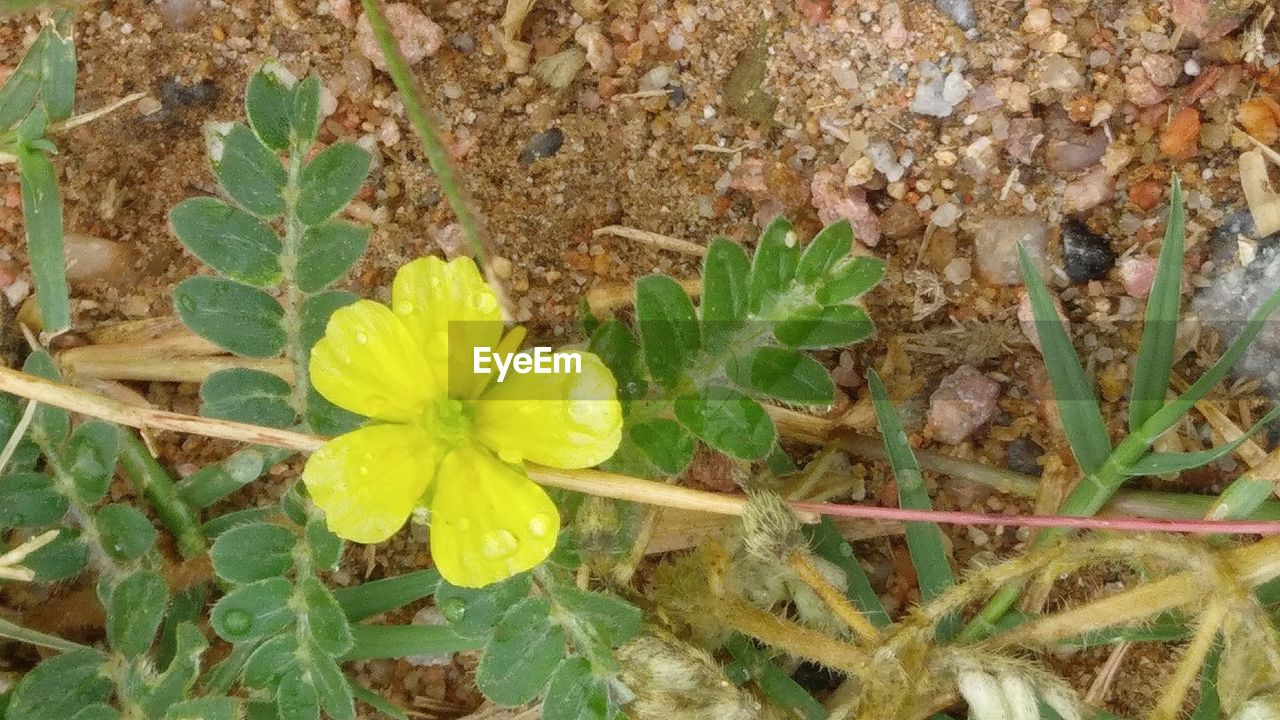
13	631
1160	329
776	685
924	540
1077	404
1161	463
375	701
42	213
379	596
380	642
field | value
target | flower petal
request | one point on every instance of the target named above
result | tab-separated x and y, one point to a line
488	520
564	420
369	480
449	310
369	363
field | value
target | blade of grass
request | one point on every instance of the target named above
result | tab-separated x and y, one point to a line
42	213
1077	404
375	701
1161	463
1160	330
13	631
1209	707
924	540
374	598
380	642
827	543
785	692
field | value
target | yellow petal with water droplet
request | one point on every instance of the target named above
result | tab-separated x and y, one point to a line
369	363
488	520
450	311
564	420
369	481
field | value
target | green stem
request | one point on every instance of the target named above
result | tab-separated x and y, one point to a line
80	512
150	480
412	96
291	298
16	632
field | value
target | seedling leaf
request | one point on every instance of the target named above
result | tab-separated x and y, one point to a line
229	240
244	320
1160	329
728	421
668	327
42	213
725	274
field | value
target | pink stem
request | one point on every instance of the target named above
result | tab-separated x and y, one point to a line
953	517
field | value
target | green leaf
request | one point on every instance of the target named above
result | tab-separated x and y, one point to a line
1160	463
58	75
306	112
774	266
328	251
1160	329
663	443
185	609
228	239
268	104
851	278
30	500
612	620
326	548
668	327
816	327
617	348
316	311
332	689
179	677
252	612
325	619
244	320
91	459
134	612
60	687
127	534
725	281
97	711
828	544
924	540
209	708
296	698
783	374
51	422
326	418
18	93
376	642
575	693
248	171
525	649
330	181
212	483
826	248
474	612
1077	404
248	396
61	559
728	421
272	659
253	552
42	213
378	596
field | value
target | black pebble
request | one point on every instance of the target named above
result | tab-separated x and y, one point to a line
543	145
174	94
678	95
1023	455
1088	256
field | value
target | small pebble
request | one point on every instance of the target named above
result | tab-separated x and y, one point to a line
1146	195
1088	191
543	145
1181	138
1137	275
996	247
833	202
416	34
964	401
1023	456
1086	255
90	259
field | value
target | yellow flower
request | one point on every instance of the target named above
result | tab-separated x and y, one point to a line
445	438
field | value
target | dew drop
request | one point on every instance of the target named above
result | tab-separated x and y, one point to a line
462	524
790	239
581	410
846	550
453	609
580	439
404	307
509	456
236	622
362	338
539	525
486	303
498	545
433	282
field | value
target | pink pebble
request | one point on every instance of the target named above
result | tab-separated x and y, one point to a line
964	401
834	202
417	36
1137	274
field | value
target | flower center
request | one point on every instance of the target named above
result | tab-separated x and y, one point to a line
448	421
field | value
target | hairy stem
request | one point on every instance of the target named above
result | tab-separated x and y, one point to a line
802	562
790	637
1170	705
151	481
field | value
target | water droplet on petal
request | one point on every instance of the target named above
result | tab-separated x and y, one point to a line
539	525
581	410
580	439
498	545
509	456
433	282
404	307
486	303
362	338
462	524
